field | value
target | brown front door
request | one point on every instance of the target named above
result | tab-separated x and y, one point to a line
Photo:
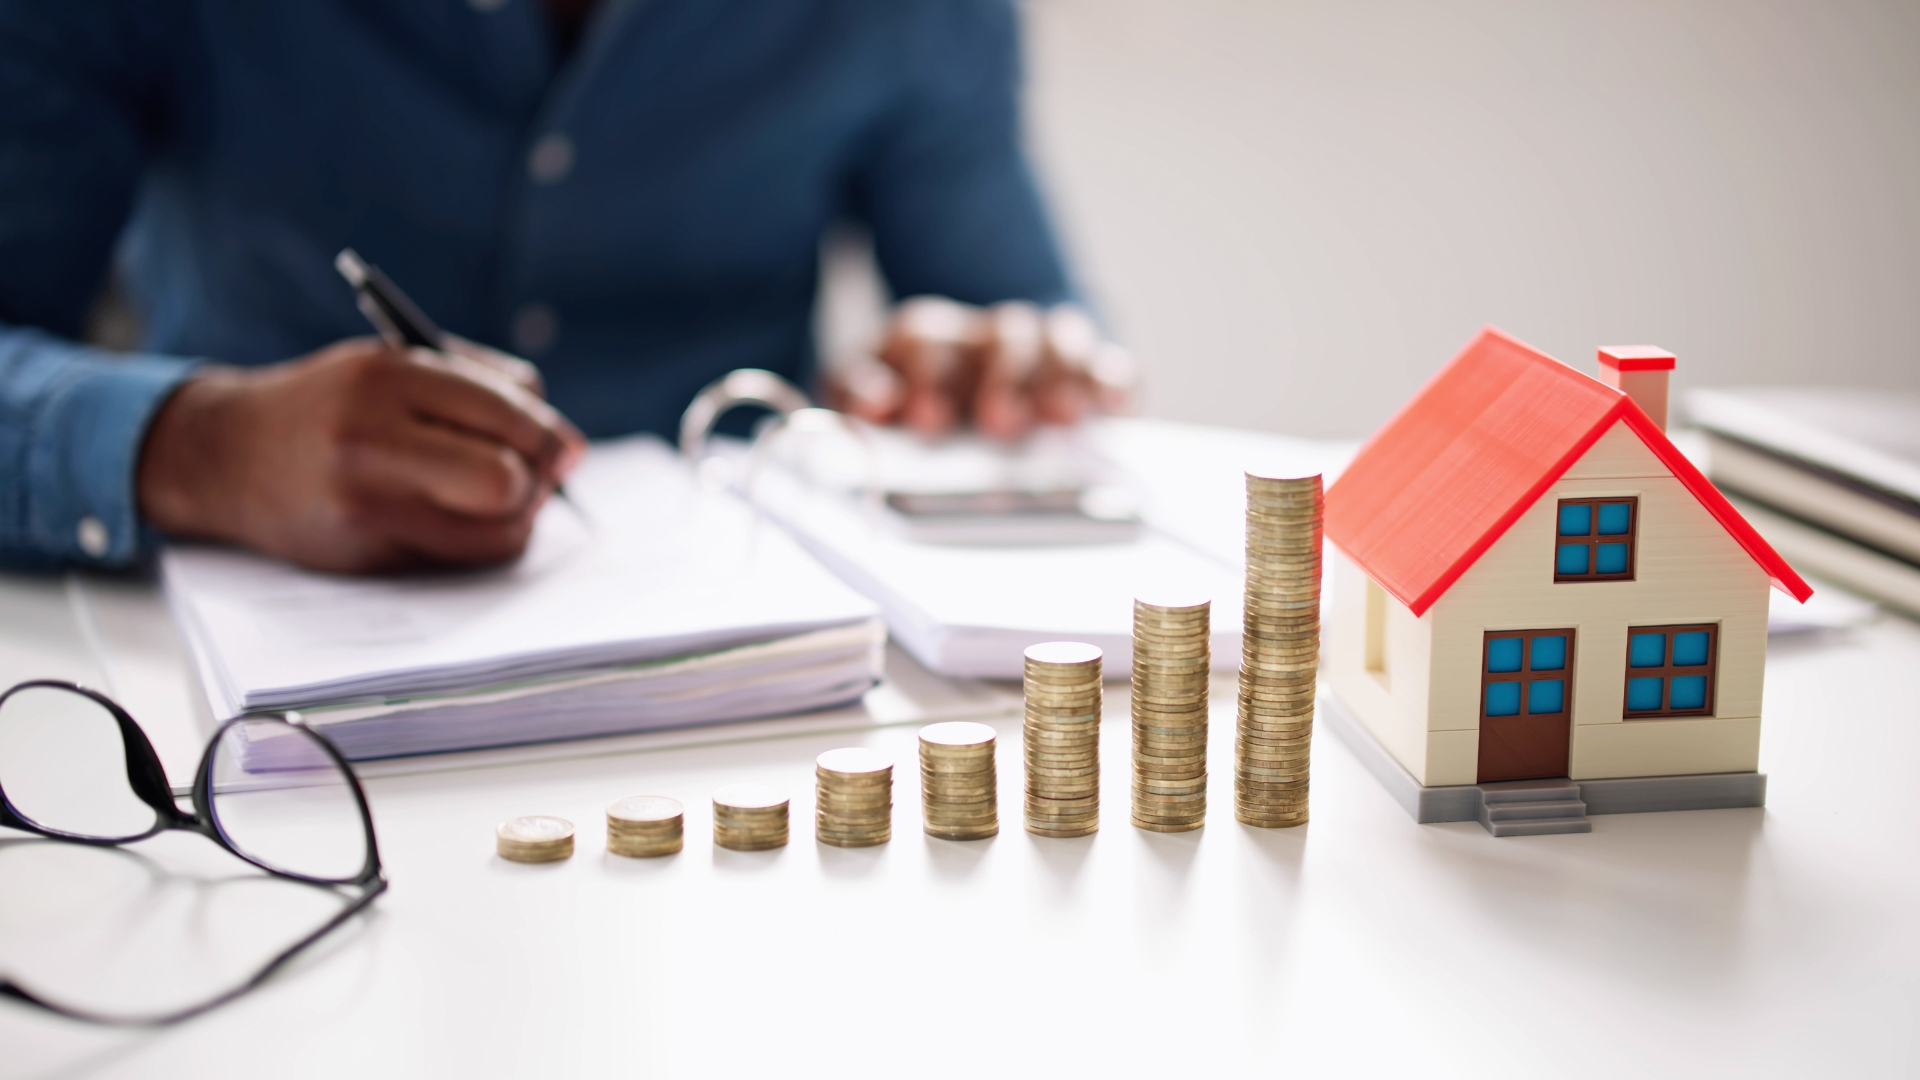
1526	704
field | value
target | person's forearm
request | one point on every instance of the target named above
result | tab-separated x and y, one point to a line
72	420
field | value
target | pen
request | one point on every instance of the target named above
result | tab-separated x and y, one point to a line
398	318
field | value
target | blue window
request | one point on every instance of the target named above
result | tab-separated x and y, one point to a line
1691	648
1509	680
1503	654
1670	670
1572	560
1595	539
1616	519
1503	699
1549	652
1643	695
1547	696
1610	560
1576	518
1688	692
1647	650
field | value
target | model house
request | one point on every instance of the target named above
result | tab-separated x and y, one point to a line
1533	585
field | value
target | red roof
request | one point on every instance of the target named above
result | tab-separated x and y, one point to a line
1444	479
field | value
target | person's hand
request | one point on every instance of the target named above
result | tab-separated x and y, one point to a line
360	457
1002	368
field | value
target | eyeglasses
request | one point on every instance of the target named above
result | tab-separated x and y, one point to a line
74	766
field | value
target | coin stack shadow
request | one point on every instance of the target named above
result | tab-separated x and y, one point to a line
959	794
750	817
853	798
1171	660
645	826
1062	737
1280	655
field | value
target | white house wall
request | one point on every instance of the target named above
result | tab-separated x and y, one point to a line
1393	708
1687	570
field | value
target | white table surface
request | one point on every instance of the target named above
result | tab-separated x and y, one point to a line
1775	942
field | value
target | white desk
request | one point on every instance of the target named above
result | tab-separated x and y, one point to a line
1776	942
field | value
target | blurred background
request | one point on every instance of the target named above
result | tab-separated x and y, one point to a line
1295	212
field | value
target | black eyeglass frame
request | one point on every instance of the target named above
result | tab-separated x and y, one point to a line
149	782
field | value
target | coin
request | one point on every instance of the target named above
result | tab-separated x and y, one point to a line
1060	737
957	781
853	797
534	839
958	734
750	817
1063	652
645	826
1280	650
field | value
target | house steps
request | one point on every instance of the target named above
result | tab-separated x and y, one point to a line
1533	808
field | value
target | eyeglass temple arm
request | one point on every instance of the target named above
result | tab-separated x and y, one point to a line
144	771
11	989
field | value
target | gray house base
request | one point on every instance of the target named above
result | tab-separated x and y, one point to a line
1531	806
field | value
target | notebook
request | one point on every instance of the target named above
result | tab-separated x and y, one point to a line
663	604
1830	475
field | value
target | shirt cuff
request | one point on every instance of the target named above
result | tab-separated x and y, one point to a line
84	459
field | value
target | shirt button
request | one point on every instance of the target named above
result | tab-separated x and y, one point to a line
93	537
534	327
552	158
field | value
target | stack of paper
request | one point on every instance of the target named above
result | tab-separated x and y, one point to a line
653	604
972	611
1829	475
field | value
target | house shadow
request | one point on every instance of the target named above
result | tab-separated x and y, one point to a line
1661	897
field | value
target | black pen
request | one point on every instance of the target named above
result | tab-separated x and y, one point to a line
398	318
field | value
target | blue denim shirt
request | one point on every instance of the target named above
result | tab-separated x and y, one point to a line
638	217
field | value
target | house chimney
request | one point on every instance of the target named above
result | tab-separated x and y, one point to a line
1640	372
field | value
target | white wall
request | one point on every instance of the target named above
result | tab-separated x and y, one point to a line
1296	212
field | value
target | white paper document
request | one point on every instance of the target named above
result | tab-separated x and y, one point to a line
663	605
971	610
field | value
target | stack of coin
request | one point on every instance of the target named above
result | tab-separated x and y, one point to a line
534	839
957	788
1063	739
643	826
750	817
853	804
1171	659
1280	658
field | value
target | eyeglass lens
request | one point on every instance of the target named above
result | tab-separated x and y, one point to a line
63	765
279	797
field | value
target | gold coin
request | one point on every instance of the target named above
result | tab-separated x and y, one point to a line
970	767
853	761
645	848
957	734
750	797
951	787
534	839
641	810
644	810
1063	652
1181	827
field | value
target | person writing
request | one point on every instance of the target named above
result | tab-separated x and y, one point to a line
629	195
